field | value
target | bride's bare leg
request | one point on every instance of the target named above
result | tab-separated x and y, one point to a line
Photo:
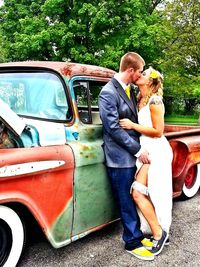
144	203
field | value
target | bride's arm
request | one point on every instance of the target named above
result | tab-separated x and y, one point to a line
157	117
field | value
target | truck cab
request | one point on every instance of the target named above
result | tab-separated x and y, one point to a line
51	156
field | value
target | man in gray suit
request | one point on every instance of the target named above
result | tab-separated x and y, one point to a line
121	147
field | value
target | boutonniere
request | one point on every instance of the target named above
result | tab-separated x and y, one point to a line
134	89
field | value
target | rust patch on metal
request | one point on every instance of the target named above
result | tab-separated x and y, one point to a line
68	69
72	69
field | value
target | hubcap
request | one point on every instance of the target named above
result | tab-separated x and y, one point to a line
5	241
191	177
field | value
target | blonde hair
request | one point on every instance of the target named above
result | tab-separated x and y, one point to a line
131	60
155	84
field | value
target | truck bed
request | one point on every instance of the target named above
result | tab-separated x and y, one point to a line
172	131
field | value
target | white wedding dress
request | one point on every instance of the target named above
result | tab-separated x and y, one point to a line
159	173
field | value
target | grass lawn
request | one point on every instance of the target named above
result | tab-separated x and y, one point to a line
182	119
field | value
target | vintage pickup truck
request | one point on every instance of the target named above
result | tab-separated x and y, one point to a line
51	160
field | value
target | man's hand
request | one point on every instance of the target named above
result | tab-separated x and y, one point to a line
126	124
144	157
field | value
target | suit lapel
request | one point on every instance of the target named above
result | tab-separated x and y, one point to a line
123	94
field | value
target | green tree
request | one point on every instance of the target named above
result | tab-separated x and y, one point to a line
181	57
2	50
24	30
95	32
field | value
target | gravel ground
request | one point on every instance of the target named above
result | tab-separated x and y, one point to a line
105	248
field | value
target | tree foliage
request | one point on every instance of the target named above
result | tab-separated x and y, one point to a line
166	33
95	32
183	17
2	50
181	61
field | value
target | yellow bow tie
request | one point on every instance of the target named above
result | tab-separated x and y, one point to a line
127	90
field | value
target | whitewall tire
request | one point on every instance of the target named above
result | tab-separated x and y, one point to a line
12	237
192	182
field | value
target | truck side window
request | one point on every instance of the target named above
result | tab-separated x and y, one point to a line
86	94
82	97
95	88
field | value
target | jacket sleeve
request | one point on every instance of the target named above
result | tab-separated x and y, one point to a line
108	108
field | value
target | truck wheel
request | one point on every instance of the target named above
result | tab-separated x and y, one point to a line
192	182
12	236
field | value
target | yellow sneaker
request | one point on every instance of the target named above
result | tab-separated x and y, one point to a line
147	243
142	253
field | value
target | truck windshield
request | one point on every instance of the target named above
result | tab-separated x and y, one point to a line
35	94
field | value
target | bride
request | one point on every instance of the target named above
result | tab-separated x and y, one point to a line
152	188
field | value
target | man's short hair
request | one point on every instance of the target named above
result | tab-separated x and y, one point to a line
131	60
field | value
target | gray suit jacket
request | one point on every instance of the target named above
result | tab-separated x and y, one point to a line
120	145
